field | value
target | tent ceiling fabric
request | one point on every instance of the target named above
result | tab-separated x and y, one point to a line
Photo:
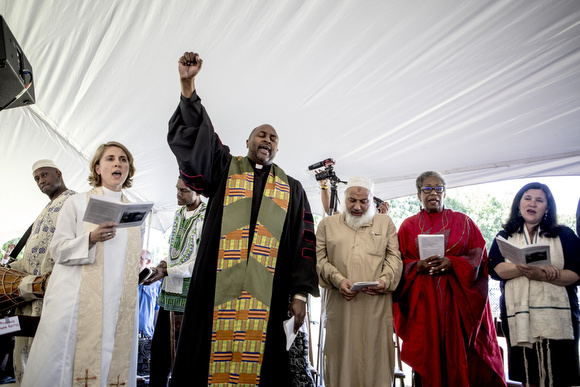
480	90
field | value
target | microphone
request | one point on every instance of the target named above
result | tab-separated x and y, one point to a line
322	164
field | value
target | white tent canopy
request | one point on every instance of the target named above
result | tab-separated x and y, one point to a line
479	90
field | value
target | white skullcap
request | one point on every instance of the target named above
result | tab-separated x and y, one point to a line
43	163
361	181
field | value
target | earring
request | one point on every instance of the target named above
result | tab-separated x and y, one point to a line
519	213
545	215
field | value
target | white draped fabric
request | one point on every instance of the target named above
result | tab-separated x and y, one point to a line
52	356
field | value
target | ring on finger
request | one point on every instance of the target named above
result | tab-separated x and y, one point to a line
109	234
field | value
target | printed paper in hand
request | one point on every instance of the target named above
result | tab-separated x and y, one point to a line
102	209
431	244
537	254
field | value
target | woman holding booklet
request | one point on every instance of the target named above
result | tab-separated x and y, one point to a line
539	304
442	312
88	329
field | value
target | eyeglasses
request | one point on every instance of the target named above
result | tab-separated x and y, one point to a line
428	190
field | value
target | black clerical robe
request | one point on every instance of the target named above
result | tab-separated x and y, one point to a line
204	163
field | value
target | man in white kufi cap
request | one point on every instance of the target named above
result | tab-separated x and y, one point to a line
36	260
358	245
382	206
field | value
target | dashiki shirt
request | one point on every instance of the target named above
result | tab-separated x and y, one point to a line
183	246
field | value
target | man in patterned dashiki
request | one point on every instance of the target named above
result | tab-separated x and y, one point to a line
176	271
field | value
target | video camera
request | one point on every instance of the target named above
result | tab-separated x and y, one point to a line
327	173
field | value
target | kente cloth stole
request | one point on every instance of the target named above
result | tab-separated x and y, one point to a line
244	281
87	363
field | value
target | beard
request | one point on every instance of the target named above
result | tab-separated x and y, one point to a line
356	222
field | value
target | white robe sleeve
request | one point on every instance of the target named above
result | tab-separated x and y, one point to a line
70	243
184	270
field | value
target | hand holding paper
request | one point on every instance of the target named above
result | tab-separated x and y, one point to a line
345	287
298	311
289	330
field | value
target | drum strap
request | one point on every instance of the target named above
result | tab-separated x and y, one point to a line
20	245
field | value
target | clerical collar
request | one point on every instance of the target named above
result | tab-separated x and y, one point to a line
259	167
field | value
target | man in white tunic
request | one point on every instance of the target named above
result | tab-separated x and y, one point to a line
358	245
37	260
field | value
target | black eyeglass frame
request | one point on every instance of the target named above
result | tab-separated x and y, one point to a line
438	189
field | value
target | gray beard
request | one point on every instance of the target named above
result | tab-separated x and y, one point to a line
356	222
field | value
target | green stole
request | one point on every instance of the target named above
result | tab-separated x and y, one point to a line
87	363
244	281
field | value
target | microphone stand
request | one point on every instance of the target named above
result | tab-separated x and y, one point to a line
333	196
334	180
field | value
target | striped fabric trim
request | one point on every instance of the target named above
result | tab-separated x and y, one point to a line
245	273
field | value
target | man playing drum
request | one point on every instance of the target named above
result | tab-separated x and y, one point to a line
37	260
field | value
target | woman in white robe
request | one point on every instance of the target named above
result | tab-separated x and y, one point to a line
88	330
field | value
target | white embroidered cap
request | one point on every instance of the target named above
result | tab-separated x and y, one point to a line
361	181
44	163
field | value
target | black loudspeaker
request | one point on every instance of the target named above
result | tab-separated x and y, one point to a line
16	85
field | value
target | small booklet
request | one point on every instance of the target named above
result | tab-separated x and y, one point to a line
536	255
431	244
145	274
357	286
102	209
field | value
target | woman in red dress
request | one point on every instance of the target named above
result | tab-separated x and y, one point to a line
442	312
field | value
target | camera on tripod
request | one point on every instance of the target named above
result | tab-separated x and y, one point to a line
328	172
